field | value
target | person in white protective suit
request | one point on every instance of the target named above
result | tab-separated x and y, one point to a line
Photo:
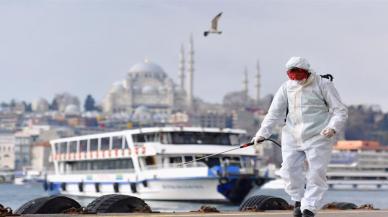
314	113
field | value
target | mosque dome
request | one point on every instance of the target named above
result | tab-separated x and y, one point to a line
147	69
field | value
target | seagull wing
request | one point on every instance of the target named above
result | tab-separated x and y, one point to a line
215	21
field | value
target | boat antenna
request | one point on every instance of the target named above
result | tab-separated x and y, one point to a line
241	146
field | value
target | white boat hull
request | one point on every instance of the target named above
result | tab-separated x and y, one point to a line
183	189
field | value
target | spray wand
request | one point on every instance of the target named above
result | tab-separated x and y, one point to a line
241	146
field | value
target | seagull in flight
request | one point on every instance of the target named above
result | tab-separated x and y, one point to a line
214	26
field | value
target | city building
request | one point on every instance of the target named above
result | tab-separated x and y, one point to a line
147	89
357	145
40	105
10	121
211	119
41	149
7	155
66	103
40	155
23	145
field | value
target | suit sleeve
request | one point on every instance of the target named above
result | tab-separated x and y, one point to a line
338	110
276	113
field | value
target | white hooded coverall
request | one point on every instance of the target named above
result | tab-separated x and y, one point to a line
312	107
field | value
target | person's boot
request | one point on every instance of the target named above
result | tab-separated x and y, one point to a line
307	213
297	211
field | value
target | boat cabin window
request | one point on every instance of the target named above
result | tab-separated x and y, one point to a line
56	147
201	138
83	145
174	160
117	164
146	137
188	158
93	144
138	138
210	162
117	142
105	143
73	147
188	138
152	137
231	161
165	138
63	147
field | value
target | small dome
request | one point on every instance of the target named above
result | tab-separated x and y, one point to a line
141	110
141	113
117	88
147	69
72	110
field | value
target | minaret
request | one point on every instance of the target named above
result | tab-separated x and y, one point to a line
257	81
190	69
245	84
181	73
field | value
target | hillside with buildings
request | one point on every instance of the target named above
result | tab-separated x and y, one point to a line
147	96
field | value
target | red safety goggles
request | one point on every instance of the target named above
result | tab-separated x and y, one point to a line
297	74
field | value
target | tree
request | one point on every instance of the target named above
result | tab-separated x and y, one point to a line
28	106
90	103
383	125
12	104
54	105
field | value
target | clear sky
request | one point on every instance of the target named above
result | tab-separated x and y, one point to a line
83	46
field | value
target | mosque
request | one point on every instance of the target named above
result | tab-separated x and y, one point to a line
148	89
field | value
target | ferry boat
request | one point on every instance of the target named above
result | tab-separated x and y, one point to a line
354	165
150	163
